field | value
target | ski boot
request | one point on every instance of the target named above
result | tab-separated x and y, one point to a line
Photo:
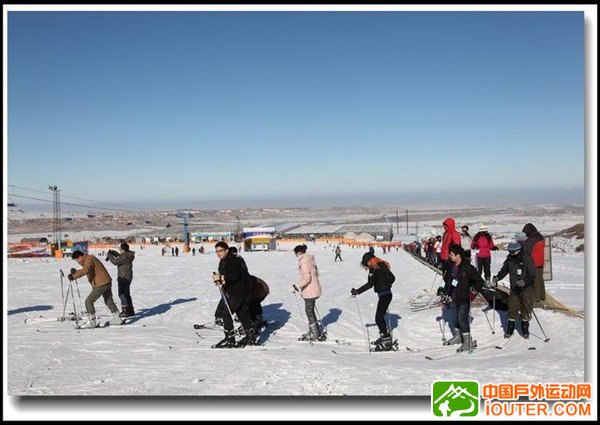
510	329
116	320
249	339
385	343
525	328
88	324
455	338
227	342
468	344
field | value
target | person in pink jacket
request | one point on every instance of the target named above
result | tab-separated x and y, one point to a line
484	243
310	289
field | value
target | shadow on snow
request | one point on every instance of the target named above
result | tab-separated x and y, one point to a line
159	309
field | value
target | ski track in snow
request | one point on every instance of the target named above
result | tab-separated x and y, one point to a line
161	354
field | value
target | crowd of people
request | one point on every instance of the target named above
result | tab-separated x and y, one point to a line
242	293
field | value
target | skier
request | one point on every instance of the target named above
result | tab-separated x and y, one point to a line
233	275
380	279
464	278
310	289
101	286
124	263
521	271
338	252
534	247
484	243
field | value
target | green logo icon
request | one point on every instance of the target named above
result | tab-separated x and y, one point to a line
455	398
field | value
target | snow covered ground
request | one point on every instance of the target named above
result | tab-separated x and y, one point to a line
161	354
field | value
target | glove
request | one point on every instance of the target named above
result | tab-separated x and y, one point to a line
441	291
216	277
70	277
495	281
518	289
353	292
73	270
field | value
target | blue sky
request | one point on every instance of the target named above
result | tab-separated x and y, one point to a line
195	106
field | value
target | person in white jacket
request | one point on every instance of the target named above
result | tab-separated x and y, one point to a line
310	289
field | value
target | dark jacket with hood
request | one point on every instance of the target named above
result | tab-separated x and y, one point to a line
534	244
450	237
518	268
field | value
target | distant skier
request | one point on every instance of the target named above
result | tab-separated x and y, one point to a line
463	277
310	289
176	251
338	253
521	271
101	283
380	279
124	263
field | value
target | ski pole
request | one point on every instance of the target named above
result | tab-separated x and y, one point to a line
494	314
488	320
225	302
74	309
536	319
64	317
431	289
79	295
298	305
62	289
366	329
443	324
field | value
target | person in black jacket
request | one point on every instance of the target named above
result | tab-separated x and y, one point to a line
381	280
465	278
233	275
521	271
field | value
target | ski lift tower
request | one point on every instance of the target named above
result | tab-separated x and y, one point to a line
183	216
56	225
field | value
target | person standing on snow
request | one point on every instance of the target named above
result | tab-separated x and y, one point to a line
101	286
449	238
124	263
380	279
338	252
484	243
521	271
310	289
534	247
233	275
464	278
465	241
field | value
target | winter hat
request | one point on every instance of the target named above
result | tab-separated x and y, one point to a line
520	236
514	246
366	258
483	229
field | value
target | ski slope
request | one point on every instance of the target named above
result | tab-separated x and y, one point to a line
160	353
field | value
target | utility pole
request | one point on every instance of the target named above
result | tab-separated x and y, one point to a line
397	223
407	222
56	223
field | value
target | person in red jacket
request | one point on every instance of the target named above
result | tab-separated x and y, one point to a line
534	247
449	238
